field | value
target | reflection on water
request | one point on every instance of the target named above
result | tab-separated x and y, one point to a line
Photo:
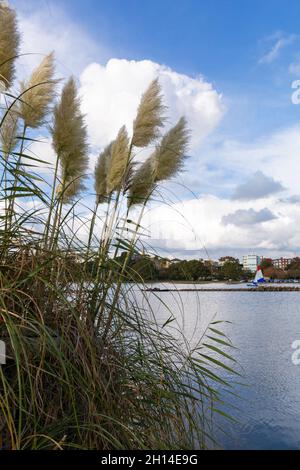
264	325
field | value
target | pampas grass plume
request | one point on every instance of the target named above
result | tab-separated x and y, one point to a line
142	183
118	162
149	116
38	93
69	140
8	133
9	44
170	153
100	184
166	161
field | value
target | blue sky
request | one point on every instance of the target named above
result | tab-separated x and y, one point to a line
229	66
222	39
219	36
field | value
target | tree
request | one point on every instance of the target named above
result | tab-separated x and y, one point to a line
266	263
247	274
274	273
293	269
144	268
197	270
295	264
178	271
187	271
231	259
231	270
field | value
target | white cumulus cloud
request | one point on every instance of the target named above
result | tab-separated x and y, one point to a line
197	225
111	93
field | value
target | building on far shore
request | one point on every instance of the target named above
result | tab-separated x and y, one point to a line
226	259
250	262
210	263
281	263
163	263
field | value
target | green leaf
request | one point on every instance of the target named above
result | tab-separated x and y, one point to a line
219	351
170	320
221	341
218	332
219	363
29	157
226	415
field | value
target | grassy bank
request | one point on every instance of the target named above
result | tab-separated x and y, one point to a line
86	366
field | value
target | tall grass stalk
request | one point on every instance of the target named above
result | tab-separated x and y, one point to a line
89	363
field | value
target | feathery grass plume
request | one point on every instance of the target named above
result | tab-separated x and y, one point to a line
38	93
165	162
100	184
149	117
117	164
170	153
69	140
142	182
69	190
8	133
128	177
9	44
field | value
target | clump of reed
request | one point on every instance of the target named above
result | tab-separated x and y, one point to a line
87	366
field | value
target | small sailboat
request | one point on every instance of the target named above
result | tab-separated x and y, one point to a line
258	279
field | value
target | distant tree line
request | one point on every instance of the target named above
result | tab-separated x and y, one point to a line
152	269
196	270
146	268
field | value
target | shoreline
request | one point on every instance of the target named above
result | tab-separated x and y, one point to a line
230	289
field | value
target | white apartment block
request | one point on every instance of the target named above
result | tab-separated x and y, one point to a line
250	262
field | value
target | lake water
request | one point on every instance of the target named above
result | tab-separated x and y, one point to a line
263	328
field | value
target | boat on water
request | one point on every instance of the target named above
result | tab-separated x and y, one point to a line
258	279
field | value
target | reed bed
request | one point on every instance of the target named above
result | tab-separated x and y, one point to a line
87	366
